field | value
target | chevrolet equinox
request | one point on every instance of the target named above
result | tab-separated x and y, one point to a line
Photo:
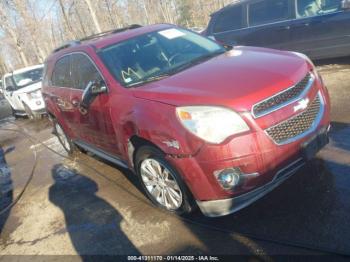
200	124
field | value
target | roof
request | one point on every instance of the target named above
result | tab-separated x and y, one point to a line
234	2
104	40
6	75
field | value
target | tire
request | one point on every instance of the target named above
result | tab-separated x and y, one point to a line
65	141
31	115
14	113
169	184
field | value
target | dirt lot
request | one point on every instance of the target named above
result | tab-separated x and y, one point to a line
82	206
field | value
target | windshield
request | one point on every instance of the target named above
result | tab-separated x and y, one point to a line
8	82
155	55
28	77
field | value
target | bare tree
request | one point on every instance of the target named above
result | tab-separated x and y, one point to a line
11	30
93	15
32	30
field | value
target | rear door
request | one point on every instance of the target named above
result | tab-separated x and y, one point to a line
263	23
94	125
321	29
269	23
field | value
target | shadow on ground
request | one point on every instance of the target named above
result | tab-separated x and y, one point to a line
92	223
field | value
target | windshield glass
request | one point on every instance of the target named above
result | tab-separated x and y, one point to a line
8	82
28	77
154	55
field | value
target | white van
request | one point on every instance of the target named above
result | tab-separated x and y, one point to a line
22	89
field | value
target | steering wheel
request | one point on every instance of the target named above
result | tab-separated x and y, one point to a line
172	58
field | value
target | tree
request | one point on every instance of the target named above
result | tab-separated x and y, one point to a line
32	28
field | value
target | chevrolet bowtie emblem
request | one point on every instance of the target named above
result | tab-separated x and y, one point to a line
302	104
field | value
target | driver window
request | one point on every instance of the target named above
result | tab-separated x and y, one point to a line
83	71
309	8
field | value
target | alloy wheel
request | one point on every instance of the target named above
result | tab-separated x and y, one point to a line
161	184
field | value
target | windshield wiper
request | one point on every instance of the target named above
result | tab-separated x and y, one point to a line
149	79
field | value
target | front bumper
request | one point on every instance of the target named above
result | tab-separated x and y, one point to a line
40	111
227	206
224	207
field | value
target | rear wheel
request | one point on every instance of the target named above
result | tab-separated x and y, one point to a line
161	182
63	138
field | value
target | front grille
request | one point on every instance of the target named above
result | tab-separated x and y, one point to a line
283	98
293	127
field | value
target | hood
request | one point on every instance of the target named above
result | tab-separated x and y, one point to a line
237	79
29	89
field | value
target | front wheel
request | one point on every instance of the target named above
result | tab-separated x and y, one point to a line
31	115
14	113
161	183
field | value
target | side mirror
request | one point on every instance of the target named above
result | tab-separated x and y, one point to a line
10	88
345	4
93	89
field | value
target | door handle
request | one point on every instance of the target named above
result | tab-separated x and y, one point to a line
287	27
301	25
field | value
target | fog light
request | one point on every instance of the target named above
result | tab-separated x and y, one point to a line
228	178
38	103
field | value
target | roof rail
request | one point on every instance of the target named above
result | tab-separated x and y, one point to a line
114	31
78	42
66	45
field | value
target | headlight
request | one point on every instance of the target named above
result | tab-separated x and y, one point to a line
34	95
210	123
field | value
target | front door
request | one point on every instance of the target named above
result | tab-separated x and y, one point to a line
321	29
61	85
94	124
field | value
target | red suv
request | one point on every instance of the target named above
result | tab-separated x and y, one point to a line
200	124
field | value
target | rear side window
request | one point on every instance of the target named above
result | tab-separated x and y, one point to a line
268	11
83	71
61	75
229	19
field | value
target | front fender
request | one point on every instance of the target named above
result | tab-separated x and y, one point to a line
157	123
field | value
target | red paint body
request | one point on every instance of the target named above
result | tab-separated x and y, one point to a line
237	79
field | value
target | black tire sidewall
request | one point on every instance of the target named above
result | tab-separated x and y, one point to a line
29	112
14	113
147	152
